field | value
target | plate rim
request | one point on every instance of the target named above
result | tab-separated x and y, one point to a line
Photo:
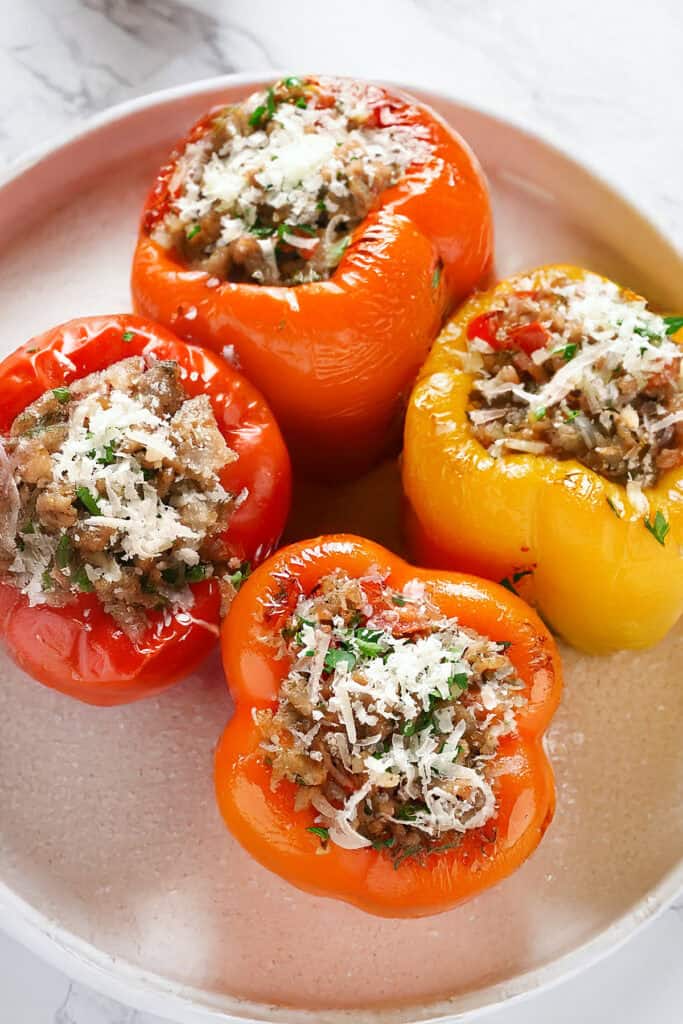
152	992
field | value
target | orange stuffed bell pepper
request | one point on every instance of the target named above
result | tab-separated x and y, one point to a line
321	229
386	747
544	446
138	475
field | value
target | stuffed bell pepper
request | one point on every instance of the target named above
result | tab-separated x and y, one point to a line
544	447
386	747
139	476
319	230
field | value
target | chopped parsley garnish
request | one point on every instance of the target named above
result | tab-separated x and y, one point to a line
127	336
673	324
170	576
256	115
301	103
108	457
262	230
436	276
398	599
460	681
47	581
28	527
368	642
612	504
323	834
63	552
419	724
409	810
339	656
571	416
659	527
83	582
63	395
193	231
196	573
88	500
383	844
292	81
539	414
238	577
567	351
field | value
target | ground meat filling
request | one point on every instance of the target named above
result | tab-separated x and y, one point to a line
389	718
115	490
272	193
581	370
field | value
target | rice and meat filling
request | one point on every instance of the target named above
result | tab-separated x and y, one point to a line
582	370
389	718
272	193
116	491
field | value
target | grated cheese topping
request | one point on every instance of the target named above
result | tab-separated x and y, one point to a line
126	494
599	379
409	706
274	192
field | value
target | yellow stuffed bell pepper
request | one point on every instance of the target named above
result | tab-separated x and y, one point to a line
544	448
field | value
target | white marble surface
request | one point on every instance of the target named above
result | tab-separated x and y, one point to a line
603	77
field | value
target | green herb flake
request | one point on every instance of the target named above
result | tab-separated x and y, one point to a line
300	103
47	581
63	395
571	416
613	505
673	324
398	599
339	656
323	834
292	82
108	457
540	413
659	527
83	582
170	576
196	573
63	553
238	577
256	115
436	276
127	336
460	680
28	527
88	500
262	230
383	844
193	232
569	351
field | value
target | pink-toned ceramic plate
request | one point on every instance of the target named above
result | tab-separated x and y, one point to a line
113	861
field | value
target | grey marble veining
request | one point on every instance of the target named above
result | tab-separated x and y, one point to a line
604	79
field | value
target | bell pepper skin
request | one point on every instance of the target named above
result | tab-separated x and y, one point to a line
603	582
336	358
264	820
78	649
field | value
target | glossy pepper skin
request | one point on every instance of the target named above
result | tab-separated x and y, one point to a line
265	822
336	358
78	649
602	581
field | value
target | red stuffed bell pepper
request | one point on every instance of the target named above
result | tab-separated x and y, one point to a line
386	747
139	475
323	228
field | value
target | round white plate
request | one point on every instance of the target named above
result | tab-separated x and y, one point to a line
113	861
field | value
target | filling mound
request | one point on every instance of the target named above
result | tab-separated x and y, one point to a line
271	194
389	718
113	488
581	370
